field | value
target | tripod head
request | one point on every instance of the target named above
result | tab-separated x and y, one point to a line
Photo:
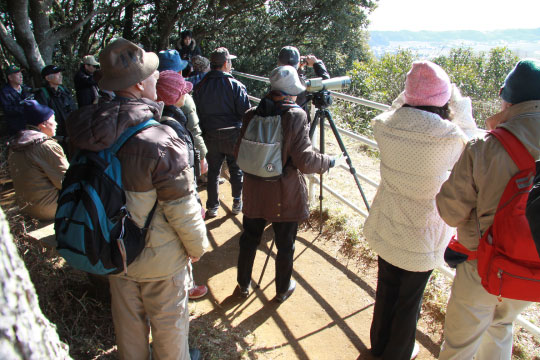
321	99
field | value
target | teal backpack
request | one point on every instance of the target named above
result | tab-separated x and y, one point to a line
94	230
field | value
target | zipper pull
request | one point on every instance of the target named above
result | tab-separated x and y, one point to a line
499	275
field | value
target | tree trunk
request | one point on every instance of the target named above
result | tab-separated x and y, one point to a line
24	332
24	35
127	33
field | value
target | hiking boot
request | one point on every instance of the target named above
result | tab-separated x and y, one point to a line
194	354
211	213
237	207
284	296
197	292
415	351
243	291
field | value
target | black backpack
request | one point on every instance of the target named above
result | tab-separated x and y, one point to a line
175	118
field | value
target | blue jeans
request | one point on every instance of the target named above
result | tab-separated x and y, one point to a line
220	144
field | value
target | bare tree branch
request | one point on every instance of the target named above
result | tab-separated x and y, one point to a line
12	46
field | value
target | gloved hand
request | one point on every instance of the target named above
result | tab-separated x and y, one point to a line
337	160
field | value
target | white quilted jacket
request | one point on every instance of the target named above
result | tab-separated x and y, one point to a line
418	150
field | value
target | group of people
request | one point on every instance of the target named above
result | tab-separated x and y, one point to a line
162	163
428	130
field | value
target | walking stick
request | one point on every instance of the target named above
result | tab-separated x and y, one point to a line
266	263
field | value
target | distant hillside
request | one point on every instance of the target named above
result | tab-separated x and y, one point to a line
383	38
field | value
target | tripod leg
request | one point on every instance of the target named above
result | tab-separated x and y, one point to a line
319	116
313	126
266	262
344	150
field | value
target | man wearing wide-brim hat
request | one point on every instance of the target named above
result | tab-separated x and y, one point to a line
153	294
86	87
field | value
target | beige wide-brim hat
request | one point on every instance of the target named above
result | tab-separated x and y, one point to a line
285	79
124	64
90	60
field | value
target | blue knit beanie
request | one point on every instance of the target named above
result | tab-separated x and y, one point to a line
35	113
522	83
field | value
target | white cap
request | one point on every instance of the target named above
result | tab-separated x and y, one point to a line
285	79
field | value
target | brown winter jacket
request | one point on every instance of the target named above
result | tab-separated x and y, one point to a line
37	165
469	198
285	199
154	165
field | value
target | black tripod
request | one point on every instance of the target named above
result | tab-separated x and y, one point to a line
322	100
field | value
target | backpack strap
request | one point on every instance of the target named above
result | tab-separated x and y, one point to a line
517	151
129	132
45	94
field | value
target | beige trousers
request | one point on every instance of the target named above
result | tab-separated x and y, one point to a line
477	324
161	306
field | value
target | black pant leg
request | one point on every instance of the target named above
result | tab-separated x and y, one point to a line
407	312
385	303
285	233
249	241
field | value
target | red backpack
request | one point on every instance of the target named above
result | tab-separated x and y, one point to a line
508	262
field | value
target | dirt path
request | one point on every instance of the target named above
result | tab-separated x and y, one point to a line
327	317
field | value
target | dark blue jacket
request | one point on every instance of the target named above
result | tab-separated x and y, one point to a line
195	77
221	101
13	109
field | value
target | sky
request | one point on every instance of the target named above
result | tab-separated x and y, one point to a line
442	15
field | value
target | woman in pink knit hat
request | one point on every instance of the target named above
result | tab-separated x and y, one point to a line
172	88
419	139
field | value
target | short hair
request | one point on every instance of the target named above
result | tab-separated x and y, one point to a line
443	111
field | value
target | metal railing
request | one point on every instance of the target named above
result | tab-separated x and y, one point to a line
446	271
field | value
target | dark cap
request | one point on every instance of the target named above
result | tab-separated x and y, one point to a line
522	83
12	69
51	69
35	113
289	55
220	56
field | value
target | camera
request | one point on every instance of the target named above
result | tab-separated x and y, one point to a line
337	83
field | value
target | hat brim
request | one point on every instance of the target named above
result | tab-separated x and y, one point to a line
95	63
176	67
112	83
232	57
295	89
188	86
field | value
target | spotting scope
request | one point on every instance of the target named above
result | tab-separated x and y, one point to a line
337	83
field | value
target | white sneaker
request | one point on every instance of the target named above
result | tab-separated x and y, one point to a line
415	350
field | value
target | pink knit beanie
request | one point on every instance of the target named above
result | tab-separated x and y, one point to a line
170	86
427	84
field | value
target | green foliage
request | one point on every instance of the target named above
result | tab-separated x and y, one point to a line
254	30
478	75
